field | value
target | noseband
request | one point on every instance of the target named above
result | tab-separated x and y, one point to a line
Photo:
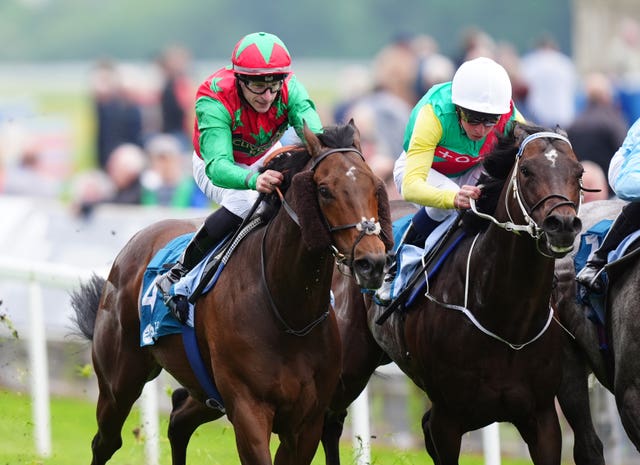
531	226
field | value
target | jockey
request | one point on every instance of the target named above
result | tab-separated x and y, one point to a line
242	111
450	130
624	179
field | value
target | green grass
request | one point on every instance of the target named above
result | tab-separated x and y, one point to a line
73	426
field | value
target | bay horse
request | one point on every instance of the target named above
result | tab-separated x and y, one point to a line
616	368
480	342
265	331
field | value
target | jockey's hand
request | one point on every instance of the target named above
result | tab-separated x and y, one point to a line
465	193
268	180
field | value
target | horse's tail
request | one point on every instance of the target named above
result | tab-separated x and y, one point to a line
85	302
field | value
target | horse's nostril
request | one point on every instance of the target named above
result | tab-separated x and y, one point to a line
552	223
364	266
577	224
561	224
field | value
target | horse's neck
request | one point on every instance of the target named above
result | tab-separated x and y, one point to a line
295	274
510	273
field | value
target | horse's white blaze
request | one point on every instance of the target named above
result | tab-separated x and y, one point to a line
552	156
351	173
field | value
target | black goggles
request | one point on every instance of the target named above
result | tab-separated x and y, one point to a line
260	87
474	118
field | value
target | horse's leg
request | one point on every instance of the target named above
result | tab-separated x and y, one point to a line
299	447
428	441
252	424
627	394
119	388
573	397
543	436
186	415
331	432
442	436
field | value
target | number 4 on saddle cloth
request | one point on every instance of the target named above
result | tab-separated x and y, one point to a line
156	319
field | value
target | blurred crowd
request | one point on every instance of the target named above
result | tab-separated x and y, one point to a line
142	140
595	108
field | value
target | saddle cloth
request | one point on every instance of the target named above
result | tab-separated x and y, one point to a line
156	320
409	257
589	242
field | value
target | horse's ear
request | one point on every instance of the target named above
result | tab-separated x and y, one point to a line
311	140
519	133
356	135
561	131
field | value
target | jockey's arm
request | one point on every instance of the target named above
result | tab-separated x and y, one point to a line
426	135
214	123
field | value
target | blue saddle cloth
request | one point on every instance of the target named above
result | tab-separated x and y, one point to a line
589	242
409	257
156	320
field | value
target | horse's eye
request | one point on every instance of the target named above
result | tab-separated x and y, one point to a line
525	171
324	192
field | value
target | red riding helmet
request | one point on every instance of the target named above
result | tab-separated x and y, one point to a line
261	54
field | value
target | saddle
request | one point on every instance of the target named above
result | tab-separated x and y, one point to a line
438	246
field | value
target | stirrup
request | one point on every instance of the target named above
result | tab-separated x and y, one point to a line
591	277
382	296
179	306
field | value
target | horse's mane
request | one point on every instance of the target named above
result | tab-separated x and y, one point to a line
496	166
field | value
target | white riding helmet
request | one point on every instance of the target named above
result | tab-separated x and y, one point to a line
482	85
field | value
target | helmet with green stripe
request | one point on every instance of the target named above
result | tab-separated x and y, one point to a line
261	54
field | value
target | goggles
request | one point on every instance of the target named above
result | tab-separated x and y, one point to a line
260	87
474	118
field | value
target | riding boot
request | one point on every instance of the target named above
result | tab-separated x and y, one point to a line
416	234
215	228
627	222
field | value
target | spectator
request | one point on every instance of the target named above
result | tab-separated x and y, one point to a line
552	81
507	56
381	120
119	182
598	131
177	94
594	178
624	56
395	68
118	119
168	182
28	175
124	167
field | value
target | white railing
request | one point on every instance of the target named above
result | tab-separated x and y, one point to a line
44	274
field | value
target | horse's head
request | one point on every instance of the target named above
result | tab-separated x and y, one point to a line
546	185
341	204
541	187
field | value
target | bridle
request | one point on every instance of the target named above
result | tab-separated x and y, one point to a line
366	227
531	227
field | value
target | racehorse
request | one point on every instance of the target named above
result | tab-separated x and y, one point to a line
265	331
480	341
615	368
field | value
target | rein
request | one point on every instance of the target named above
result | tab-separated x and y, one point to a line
531	227
288	329
365	226
464	309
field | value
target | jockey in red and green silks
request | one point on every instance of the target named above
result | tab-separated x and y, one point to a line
228	131
242	111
